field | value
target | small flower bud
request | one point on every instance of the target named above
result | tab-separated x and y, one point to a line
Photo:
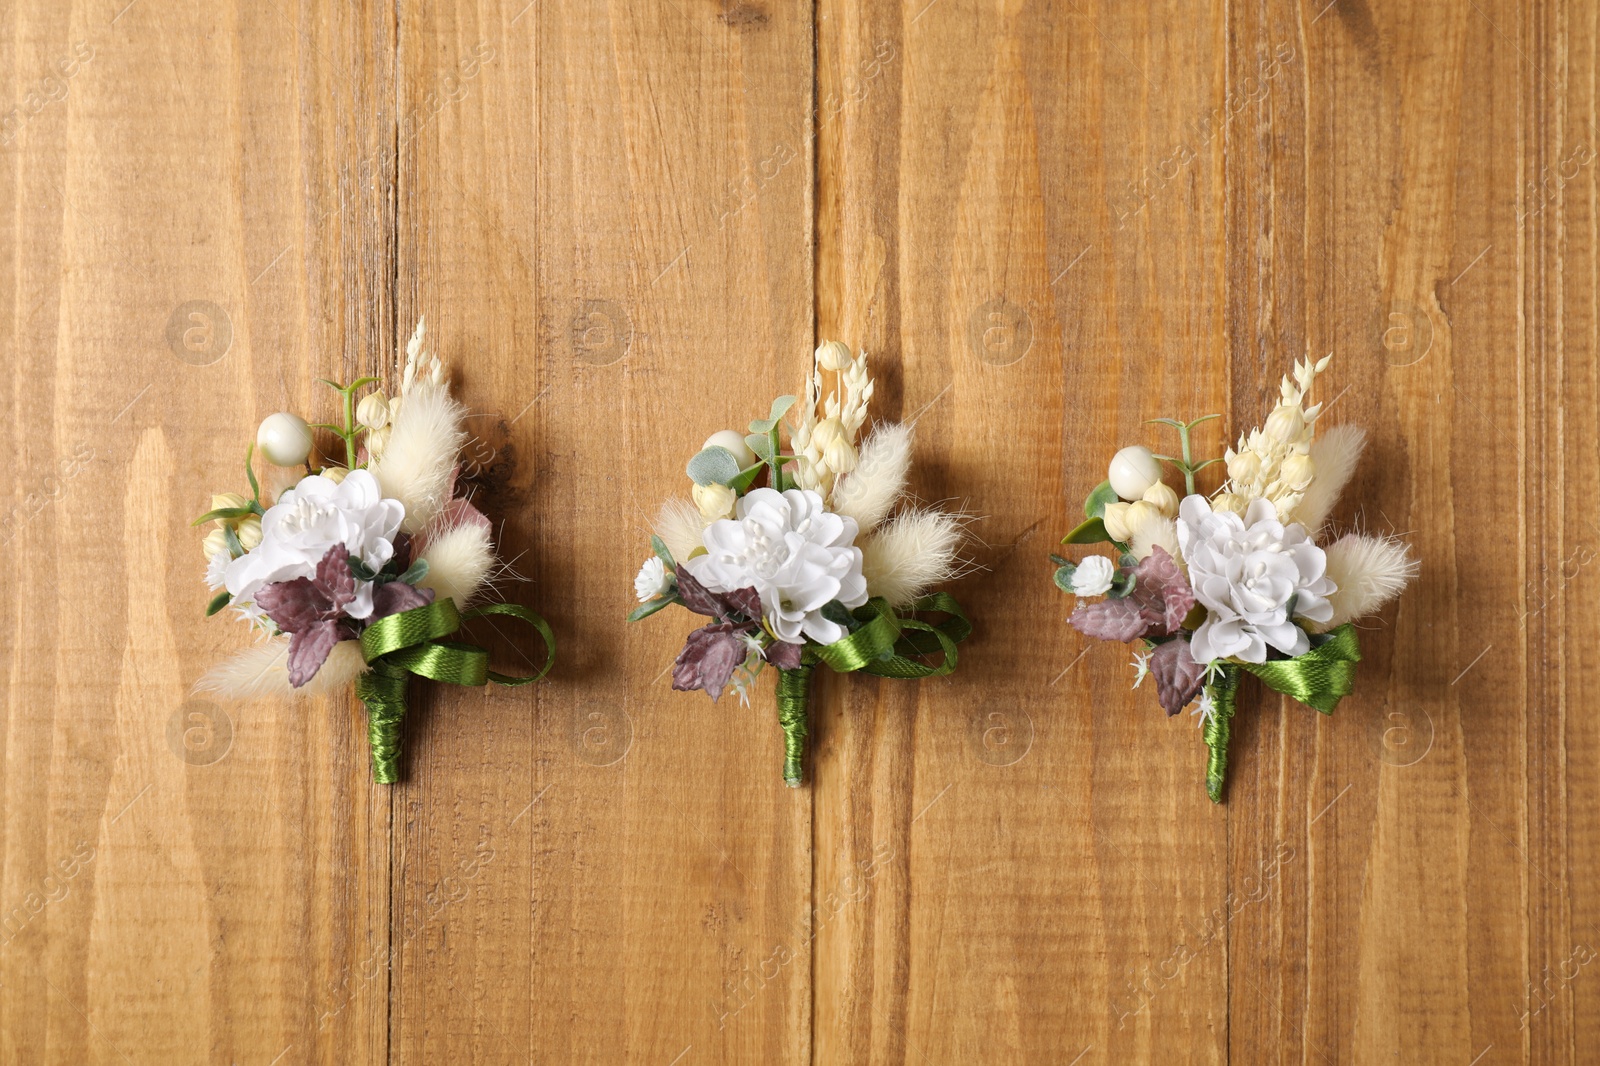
827	431
249	532
1244	467
1116	520
833	355
284	439
1163	497
840	456
1133	470
216	541
1140	515
228	500
335	474
1296	471
373	411
1228	503
715	501
377	441
1285	424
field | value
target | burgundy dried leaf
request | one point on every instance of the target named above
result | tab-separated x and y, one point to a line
395	596
697	597
308	650
400	561
1110	620
334	579
709	658
1161	592
746	602
783	655
292	605
1178	677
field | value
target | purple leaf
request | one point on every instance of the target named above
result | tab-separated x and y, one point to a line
392	597
783	655
1161	592
746	602
709	658
308	650
697	597
292	605
1110	620
1178	677
334	579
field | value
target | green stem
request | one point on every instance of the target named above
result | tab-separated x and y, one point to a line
1218	729
777	460
794	687
1188	461
383	689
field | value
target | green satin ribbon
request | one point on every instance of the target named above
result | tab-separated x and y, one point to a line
1319	678
883	646
409	643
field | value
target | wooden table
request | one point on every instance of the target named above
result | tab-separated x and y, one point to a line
627	225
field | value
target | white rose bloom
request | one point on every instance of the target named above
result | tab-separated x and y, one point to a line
652	580
307	520
1245	571
1093	576
797	555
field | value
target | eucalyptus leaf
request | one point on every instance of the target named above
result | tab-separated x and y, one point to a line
1095	505
839	614
761	444
780	407
645	610
715	465
232	539
1060	561
415	572
218	602
361	571
1121	584
1064	577
1091	532
659	546
747	477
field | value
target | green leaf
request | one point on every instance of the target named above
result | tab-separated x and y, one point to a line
1064	577
218	602
415	572
659	546
1060	561
1091	532
761	444
223	512
839	614
780	407
1095	505
232	538
645	610
1173	422
249	472
361	571
1121	585
746	478
715	465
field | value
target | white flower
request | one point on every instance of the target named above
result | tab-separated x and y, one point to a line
1246	571
1093	576
217	567
652	581
797	555
1206	708
307	520
1141	667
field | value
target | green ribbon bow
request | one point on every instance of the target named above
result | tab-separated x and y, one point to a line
1320	678
409	643
884	646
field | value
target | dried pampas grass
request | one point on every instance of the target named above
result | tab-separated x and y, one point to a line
420	456
1333	456
870	491
680	526
910	553
1369	572
262	672
459	561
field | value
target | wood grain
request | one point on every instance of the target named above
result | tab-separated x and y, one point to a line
627	225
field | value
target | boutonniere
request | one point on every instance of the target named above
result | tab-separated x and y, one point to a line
363	563
1242	582
807	555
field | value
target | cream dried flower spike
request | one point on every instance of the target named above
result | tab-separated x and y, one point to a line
809	556
1238	582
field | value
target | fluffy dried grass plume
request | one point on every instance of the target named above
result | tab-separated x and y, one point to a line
870	491
424	442
680	526
459	561
1334	456
1369	572
909	554
262	672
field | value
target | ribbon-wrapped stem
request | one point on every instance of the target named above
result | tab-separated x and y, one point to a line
1218	727
383	689
794	692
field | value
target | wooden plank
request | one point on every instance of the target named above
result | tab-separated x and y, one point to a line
186	249
603	253
988	229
